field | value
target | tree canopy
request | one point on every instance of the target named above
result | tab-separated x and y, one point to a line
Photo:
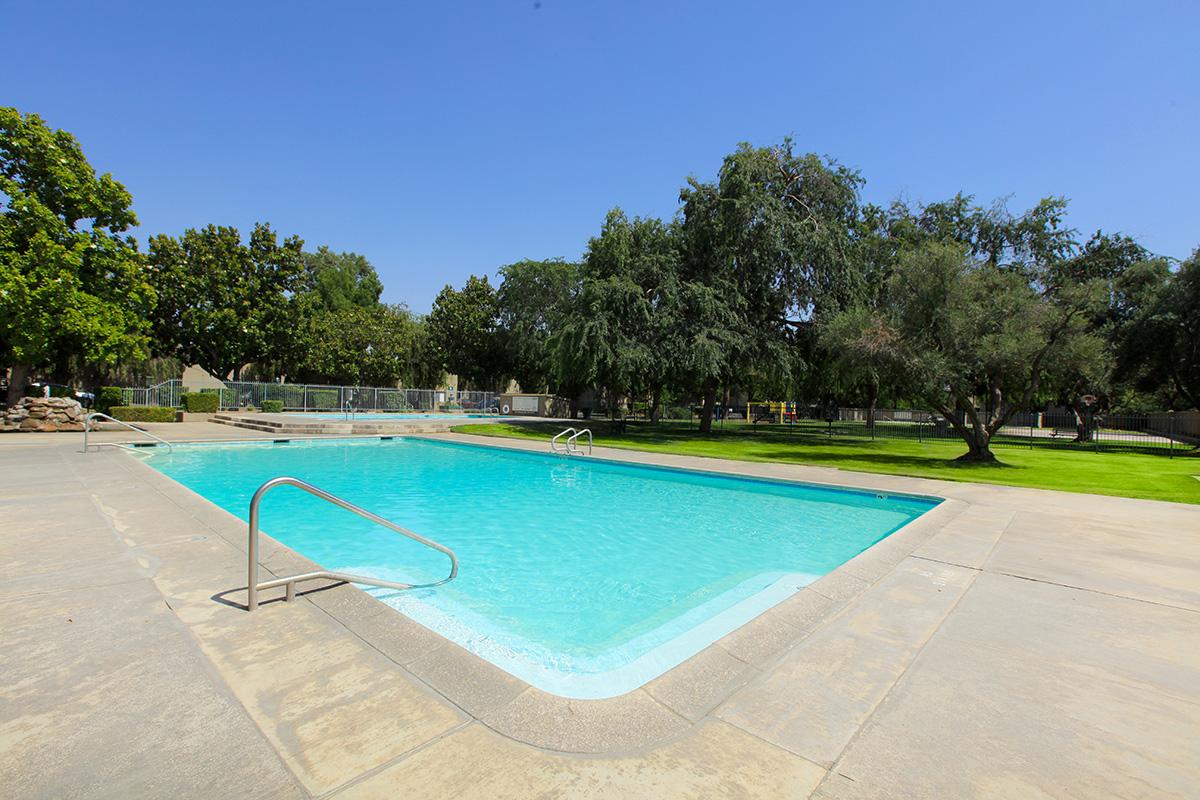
339	281
70	282
223	303
464	332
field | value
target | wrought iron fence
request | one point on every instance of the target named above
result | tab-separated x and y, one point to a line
316	397
1159	432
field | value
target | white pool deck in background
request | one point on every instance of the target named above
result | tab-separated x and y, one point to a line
1020	643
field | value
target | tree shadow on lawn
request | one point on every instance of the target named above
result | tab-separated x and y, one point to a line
883	461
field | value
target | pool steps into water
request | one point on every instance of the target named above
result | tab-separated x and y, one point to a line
338	424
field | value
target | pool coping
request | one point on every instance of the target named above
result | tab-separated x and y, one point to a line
663	709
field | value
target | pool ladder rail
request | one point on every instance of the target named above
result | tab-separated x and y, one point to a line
87	426
253	587
571	445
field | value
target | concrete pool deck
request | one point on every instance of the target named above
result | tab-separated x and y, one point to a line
1017	643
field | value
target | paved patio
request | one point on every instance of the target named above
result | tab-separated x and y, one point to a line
1015	643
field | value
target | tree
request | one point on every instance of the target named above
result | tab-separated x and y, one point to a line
614	336
360	346
535	299
464	332
70	282
341	280
975	340
1162	342
222	303
769	243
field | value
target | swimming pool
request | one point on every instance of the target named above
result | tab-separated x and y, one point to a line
583	577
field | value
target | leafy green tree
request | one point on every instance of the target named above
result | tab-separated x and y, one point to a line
363	346
767	250
341	280
70	283
535	299
975	341
1161	343
615	335
464	332
222	303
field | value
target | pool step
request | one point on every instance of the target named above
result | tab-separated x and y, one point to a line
333	425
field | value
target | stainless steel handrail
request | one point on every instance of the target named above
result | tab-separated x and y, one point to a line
348	410
559	435
253	587
572	445
87	426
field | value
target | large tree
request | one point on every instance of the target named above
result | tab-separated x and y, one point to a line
616	334
972	339
70	283
464	332
363	346
223	303
1161	343
767	249
535	299
339	281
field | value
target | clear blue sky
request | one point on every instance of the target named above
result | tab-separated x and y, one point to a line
445	138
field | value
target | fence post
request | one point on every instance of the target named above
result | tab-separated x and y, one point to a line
1170	433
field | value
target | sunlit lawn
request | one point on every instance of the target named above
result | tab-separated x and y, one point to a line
1154	477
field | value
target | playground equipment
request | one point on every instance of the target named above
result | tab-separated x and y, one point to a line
781	412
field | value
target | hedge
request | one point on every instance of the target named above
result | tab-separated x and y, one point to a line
323	399
143	413
272	406
201	402
107	397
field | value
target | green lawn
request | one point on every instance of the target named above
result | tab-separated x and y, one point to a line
1153	477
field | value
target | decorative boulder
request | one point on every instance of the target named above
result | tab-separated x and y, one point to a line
45	414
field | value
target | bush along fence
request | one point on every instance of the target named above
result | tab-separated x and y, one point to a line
308	397
1166	432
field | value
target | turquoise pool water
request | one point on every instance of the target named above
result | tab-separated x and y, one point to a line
582	577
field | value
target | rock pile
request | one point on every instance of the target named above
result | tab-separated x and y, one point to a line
44	414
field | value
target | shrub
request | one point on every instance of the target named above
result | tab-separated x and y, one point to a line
272	406
323	398
107	397
143	413
201	402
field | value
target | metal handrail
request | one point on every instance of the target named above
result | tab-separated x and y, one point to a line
573	446
348	410
559	435
253	587
87	426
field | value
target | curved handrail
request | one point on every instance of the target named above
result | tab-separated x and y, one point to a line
253	587
348	410
572	441
559	435
87	427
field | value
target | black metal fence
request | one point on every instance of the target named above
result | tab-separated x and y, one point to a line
1166	433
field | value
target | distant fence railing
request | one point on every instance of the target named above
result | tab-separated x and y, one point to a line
1158	432
316	397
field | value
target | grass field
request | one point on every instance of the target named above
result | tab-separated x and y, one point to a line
1152	477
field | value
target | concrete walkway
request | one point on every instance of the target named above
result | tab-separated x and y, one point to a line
1022	644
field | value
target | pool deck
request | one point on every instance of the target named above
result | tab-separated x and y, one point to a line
1011	643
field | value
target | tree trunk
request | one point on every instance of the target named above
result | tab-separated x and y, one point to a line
872	399
710	404
978	450
656	405
17	378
